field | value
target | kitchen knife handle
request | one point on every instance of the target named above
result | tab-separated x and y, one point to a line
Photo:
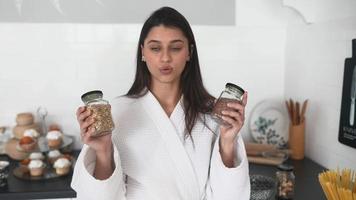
352	112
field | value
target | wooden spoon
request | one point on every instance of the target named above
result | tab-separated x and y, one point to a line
297	113
289	111
291	103
304	108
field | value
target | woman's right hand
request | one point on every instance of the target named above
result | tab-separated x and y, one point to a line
103	144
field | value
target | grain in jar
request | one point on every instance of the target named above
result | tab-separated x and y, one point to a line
100	110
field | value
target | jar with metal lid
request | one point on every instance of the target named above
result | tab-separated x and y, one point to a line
285	182
100	110
232	93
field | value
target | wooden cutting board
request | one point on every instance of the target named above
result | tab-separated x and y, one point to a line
265	161
255	154
255	149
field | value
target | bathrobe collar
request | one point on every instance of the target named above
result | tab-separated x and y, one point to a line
170	135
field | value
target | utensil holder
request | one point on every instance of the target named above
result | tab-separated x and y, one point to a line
297	140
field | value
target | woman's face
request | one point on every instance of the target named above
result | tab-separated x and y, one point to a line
166	52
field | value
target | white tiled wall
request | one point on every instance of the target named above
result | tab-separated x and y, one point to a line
51	65
315	56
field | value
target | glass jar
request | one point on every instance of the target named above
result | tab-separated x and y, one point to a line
285	182
100	110
232	93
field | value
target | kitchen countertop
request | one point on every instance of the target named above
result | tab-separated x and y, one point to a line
306	177
306	172
18	189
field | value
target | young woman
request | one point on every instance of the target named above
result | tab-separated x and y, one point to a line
165	144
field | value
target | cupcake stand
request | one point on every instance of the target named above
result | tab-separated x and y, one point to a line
49	172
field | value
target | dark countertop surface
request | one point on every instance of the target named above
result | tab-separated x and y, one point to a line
18	189
306	172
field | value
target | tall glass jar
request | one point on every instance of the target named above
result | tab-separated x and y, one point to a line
232	93
100	110
285	182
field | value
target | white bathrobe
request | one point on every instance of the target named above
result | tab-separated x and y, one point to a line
154	162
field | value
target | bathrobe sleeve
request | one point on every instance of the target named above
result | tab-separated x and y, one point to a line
229	183
88	187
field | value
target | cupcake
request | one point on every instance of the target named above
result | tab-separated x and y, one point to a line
24	165
54	127
36	167
31	133
62	166
54	139
68	156
36	156
27	143
53	156
24	119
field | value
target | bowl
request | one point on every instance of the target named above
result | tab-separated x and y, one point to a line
262	187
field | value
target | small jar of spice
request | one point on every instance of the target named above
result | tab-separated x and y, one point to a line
232	93
100	110
285	182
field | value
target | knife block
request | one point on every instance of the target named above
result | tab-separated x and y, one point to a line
296	141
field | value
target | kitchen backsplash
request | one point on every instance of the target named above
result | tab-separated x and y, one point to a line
51	65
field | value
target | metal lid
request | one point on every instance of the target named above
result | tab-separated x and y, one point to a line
89	96
231	85
285	167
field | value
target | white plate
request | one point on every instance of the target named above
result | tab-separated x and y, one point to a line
269	123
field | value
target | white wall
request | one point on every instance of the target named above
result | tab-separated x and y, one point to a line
211	12
315	56
53	64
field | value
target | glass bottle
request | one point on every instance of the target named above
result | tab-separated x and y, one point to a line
100	110
232	93
285	182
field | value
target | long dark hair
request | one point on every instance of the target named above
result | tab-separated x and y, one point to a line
196	98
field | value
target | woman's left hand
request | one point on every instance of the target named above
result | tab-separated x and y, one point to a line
235	117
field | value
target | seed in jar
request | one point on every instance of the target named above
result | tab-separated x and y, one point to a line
288	189
221	105
102	117
284	184
289	184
